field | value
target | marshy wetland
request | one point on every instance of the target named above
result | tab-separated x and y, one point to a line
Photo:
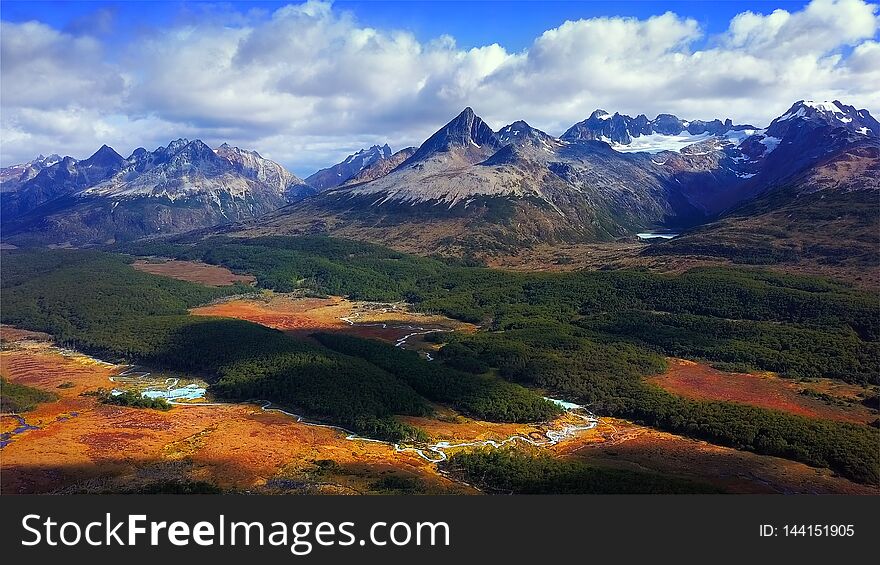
423	370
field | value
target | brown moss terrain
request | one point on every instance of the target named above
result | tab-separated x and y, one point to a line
192	271
696	380
83	445
629	254
303	316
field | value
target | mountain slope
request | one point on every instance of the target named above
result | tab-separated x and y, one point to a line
353	165
825	218
382	167
182	186
468	188
641	134
12	177
64	177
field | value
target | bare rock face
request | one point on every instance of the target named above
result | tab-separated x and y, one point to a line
253	166
465	138
12	177
621	129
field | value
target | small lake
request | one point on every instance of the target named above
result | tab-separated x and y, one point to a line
189	392
661	235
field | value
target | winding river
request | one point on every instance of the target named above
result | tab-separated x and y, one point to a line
190	394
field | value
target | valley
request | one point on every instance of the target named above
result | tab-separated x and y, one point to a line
411	372
77	445
638	305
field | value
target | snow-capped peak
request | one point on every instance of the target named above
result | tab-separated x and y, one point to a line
829	112
349	167
826	106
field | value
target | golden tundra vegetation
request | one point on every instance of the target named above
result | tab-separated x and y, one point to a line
71	441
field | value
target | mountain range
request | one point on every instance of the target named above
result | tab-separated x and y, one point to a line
107	197
467	187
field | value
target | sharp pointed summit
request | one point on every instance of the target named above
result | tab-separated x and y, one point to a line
106	156
467	133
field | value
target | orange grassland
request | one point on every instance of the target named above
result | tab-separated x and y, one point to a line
698	380
192	271
303	316
624	445
82	445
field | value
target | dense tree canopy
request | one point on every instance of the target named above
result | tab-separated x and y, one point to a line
589	336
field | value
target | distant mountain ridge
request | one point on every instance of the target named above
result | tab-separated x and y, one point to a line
465	187
15	175
342	172
179	187
471	187
382	167
621	129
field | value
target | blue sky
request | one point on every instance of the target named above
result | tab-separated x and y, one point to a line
513	24
308	83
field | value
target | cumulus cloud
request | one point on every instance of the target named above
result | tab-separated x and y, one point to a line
308	83
46	68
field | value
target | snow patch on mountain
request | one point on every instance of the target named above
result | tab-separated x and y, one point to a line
349	168
657	142
770	142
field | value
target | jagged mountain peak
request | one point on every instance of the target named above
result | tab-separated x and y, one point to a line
47	161
105	156
382	167
621	130
231	151
368	155
105	152
350	167
173	146
832	113
467	127
466	114
13	176
467	131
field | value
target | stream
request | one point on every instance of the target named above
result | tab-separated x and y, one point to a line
23	426
189	394
416	330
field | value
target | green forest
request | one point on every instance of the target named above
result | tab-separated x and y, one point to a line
134	399
508	471
591	337
16	398
480	396
97	303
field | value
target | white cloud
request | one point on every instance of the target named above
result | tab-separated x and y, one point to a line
309	83
44	68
